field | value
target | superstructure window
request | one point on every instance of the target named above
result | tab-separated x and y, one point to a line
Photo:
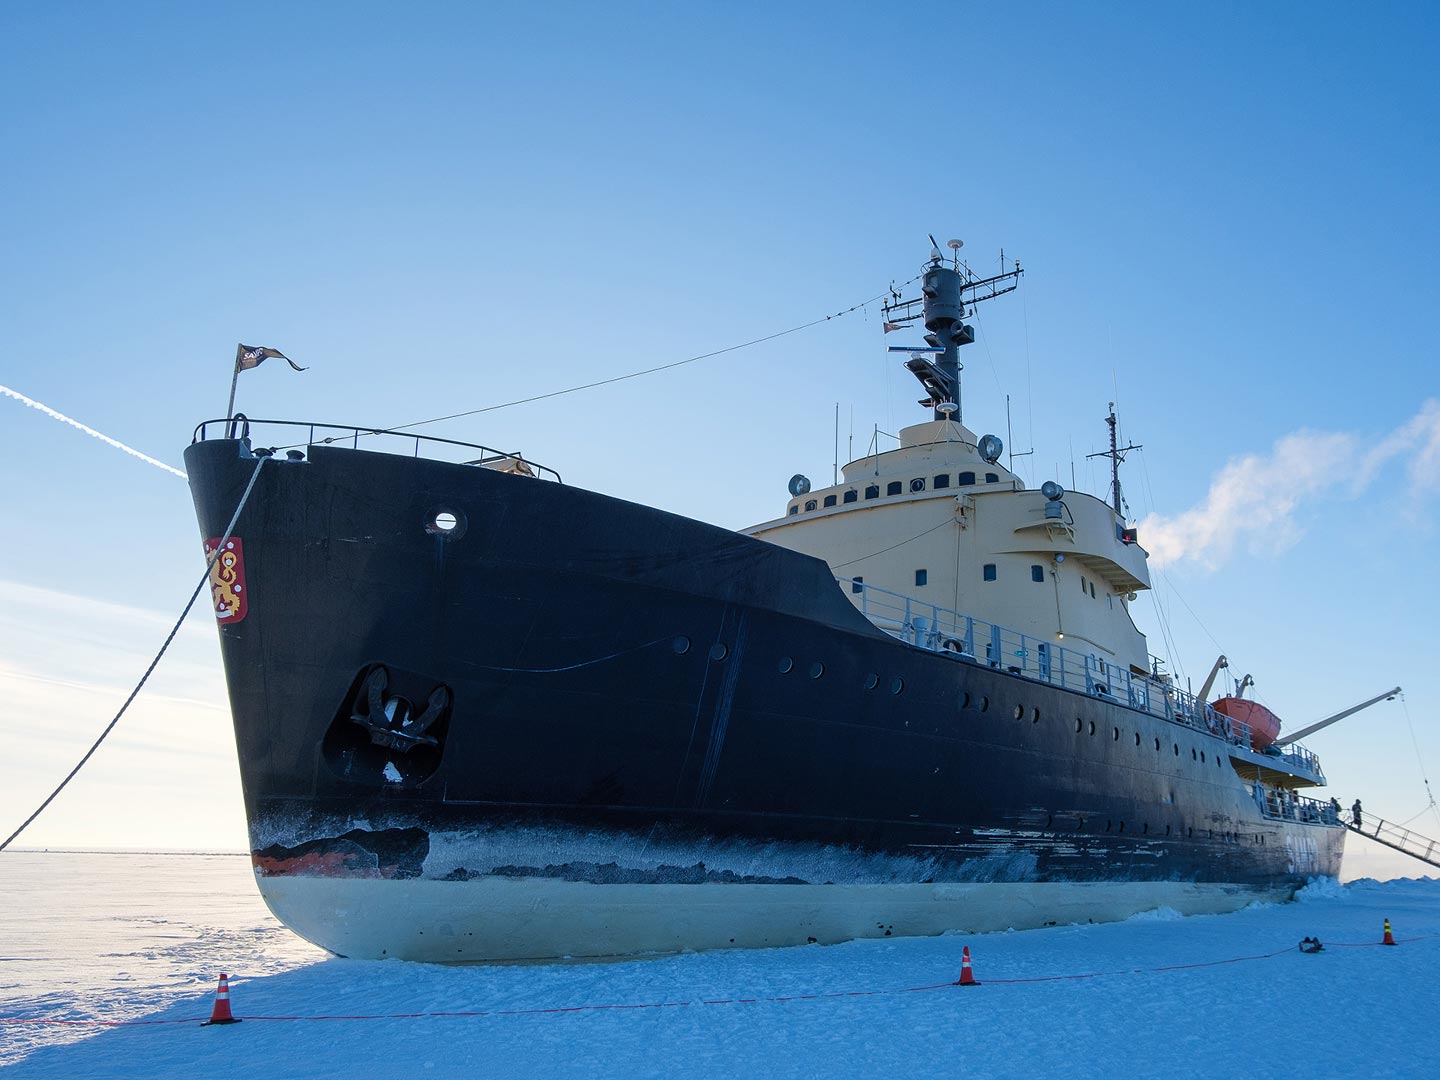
794	509
1037	573
992	478
942	481
810	504
965	479
989	571
918	484
921	577
1084	585
851	496
873	491
829	500
894	487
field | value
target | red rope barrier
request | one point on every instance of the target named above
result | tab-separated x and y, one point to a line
703	1001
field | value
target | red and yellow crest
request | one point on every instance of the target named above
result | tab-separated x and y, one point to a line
227	580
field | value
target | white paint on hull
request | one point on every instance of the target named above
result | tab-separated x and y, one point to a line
512	919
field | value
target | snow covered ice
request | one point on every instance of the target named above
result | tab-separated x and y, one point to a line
145	937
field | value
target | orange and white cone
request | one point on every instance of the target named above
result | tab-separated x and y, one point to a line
967	977
221	1013
1389	937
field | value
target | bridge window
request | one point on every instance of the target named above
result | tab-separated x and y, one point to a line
965	479
873	491
851	495
918	484
829	500
942	481
989	571
992	478
921	577
794	509
1037	573
894	487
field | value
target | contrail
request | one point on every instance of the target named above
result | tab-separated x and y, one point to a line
90	431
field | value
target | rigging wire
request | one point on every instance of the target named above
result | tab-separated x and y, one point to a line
659	367
1424	773
892	547
204	580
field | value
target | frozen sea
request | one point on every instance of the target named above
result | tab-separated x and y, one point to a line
132	937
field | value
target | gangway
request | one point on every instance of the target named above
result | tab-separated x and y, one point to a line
1395	836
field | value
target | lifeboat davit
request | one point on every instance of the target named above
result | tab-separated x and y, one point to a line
1264	724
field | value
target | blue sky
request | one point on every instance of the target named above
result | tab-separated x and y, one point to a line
1227	213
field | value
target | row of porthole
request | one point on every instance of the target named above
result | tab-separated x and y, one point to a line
1195	755
718	652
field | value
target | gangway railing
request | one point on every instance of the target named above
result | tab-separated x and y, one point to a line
965	637
1406	841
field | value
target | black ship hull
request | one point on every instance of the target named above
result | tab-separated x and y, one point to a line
573	726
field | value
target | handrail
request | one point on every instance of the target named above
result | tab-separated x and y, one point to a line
1395	836
1282	804
942	630
239	425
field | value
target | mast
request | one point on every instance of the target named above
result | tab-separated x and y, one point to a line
1116	454
948	295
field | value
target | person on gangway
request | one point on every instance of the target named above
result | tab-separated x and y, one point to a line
1355	813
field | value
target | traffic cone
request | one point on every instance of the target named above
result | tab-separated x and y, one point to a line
221	1013
967	977
1389	937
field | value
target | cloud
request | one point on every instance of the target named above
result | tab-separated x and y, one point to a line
1257	497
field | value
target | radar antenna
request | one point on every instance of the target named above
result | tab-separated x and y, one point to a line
948	296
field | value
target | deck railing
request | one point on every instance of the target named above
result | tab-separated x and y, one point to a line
317	434
942	630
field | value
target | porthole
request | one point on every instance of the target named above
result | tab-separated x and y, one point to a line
1035	715
918	484
1109	824
1092	727
718	651
446	522
810	504
1122	826
1115	734
1078	725
1157	745
817	669
1190	833
871	681
1167	830
984	704
1049	820
1177	749
1145	828
1137	738
786	665
897	684
681	645
1019	711
1194	755
965	700
1080	824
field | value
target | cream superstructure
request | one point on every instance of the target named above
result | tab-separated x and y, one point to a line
935	521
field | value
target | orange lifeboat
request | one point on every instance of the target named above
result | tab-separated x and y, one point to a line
1264	724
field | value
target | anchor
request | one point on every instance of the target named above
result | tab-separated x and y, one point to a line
388	720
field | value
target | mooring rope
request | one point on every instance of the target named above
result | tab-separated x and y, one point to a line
204	580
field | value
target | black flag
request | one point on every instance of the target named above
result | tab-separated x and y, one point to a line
250	356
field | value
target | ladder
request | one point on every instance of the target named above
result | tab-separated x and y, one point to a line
1395	836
